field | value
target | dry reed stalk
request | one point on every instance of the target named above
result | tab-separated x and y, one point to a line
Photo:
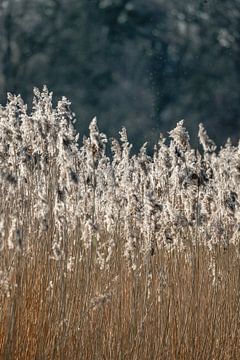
122	257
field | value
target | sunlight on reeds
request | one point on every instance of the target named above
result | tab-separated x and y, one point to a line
115	256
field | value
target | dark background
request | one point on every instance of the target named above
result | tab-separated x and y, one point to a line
144	64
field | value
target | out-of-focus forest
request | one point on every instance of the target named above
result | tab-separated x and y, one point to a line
143	64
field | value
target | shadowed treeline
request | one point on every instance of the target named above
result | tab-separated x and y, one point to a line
138	63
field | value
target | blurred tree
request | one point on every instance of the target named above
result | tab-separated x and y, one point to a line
143	64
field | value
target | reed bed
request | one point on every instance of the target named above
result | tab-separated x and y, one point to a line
115	256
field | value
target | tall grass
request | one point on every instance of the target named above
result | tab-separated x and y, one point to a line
120	257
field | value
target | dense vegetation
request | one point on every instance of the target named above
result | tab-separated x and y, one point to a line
115	257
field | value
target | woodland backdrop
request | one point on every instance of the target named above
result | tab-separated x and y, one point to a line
135	63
